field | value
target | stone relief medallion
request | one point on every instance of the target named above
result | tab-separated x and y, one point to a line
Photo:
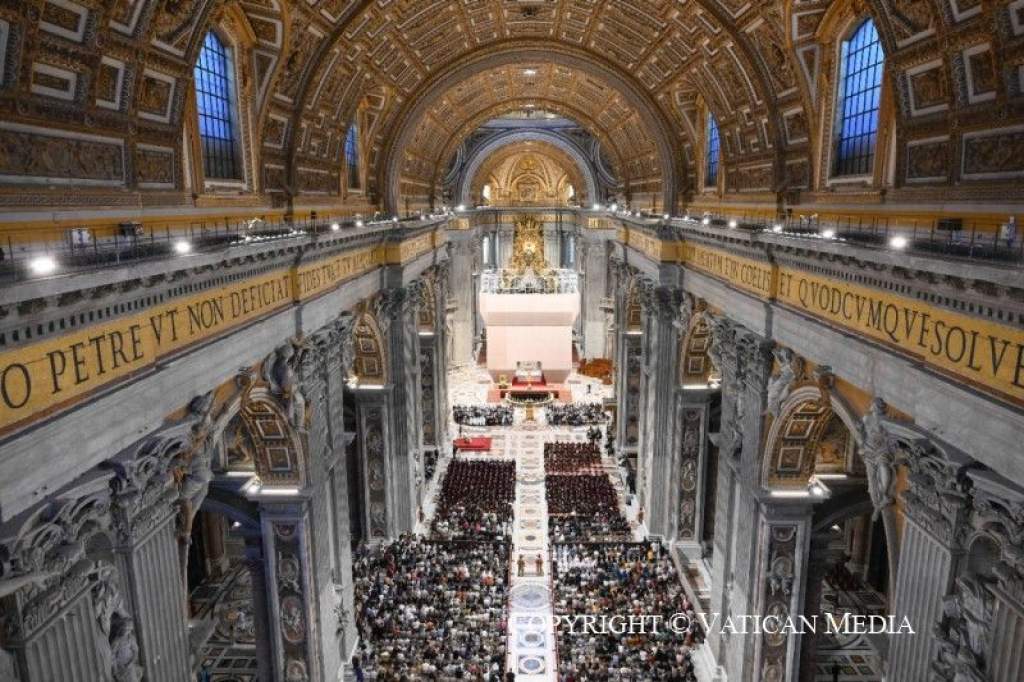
293	625
288	571
295	671
776	639
771	673
284	531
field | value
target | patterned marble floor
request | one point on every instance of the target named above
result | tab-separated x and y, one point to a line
531	640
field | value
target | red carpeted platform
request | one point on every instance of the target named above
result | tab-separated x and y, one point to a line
478	444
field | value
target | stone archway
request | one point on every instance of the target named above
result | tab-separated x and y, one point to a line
514	137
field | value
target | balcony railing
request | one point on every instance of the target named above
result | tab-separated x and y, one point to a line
504	282
71	257
941	237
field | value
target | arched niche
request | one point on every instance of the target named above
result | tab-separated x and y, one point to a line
369	358
634	311
815	433
254	436
481	157
426	314
695	364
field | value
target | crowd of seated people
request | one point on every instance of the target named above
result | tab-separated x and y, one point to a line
576	414
582	494
623	579
571	458
483	415
432	610
602	526
475	501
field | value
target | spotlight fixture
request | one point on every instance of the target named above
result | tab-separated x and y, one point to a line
181	247
596	207
42	265
666	217
529	72
395	220
460	208
705	221
359	223
776	228
828	234
899	242
335	227
733	224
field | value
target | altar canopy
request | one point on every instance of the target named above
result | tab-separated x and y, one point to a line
529	309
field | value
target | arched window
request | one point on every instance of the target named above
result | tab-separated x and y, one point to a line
352	155
215	95
713	151
860	88
486	193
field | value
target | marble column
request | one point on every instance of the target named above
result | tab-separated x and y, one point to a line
294	617
781	574
442	358
935	508
255	562
149	565
324	372
690	470
399	309
373	416
744	361
822	556
592	263
661	436
460	276
65	613
627	366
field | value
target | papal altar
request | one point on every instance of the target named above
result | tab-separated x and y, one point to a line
529	309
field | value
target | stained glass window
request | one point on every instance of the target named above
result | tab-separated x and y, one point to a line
713	153
214	100
352	156
860	91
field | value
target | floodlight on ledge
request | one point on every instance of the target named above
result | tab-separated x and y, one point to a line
899	242
460	208
181	247
791	493
596	207
42	265
706	221
776	228
529	72
359	223
335	227
278	491
733	224
828	234
666	217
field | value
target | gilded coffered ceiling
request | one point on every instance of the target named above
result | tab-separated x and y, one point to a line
97	93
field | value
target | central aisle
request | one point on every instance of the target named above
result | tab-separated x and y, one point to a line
531	637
